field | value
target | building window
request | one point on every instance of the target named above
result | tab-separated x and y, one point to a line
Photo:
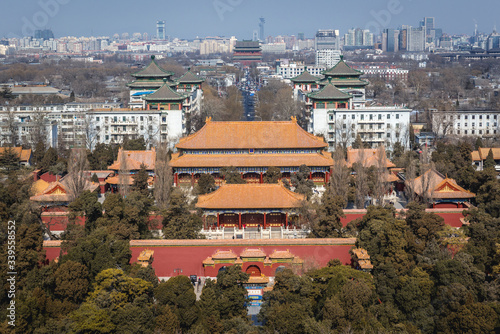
344	117
115	119
473	116
379	135
330	117
142	118
480	132
353	116
466	117
472	131
380	126
480	125
379	116
388	116
97	118
458	132
397	116
388	135
458	117
344	126
480	116
465	124
124	118
465	132
371	117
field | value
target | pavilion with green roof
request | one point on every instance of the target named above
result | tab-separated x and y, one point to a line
150	80
165	98
345	84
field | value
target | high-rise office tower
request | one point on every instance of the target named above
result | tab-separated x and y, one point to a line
261	29
160	30
327	39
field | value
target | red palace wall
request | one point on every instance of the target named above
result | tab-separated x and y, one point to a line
185	257
451	216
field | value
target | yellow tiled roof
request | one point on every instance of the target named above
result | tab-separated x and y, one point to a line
134	159
251	135
369	157
250	196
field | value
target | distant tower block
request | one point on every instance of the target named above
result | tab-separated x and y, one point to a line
160	30
261	26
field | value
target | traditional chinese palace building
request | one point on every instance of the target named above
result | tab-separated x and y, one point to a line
251	147
250	205
441	191
336	108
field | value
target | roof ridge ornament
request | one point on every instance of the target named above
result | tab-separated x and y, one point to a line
294	119
208	119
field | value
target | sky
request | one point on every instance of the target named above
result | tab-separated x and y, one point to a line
201	18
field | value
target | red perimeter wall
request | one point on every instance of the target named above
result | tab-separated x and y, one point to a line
185	257
451	216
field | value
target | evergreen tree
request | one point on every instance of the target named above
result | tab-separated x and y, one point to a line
328	224
272	175
206	184
489	162
9	160
302	182
358	142
141	179
232	175
49	159
86	205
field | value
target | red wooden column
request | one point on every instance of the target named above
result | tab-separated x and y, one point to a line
218	220
310	175
176	179
286	219
192	179
326	177
239	220
261	178
264	220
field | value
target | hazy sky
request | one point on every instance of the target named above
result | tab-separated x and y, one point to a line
188	19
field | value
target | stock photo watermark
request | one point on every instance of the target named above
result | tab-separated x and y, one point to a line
11	273
224	6
383	17
48	9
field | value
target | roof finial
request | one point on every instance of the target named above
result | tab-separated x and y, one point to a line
189	68
152	57
305	68
208	119
342	57
164	80
294	119
329	80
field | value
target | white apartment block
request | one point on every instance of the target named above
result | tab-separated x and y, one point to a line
327	57
288	71
376	126
466	123
79	125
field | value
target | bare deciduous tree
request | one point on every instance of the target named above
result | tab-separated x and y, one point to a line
123	174
361	179
77	179
339	180
381	176
163	176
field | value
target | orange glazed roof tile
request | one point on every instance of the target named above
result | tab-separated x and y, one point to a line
253	252
250	135
251	160
250	196
23	155
222	255
134	159
438	186
483	153
369	157
281	255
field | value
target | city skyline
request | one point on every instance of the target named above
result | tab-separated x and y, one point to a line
238	18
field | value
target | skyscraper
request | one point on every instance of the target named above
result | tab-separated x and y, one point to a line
327	39
160	30
390	40
261	27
